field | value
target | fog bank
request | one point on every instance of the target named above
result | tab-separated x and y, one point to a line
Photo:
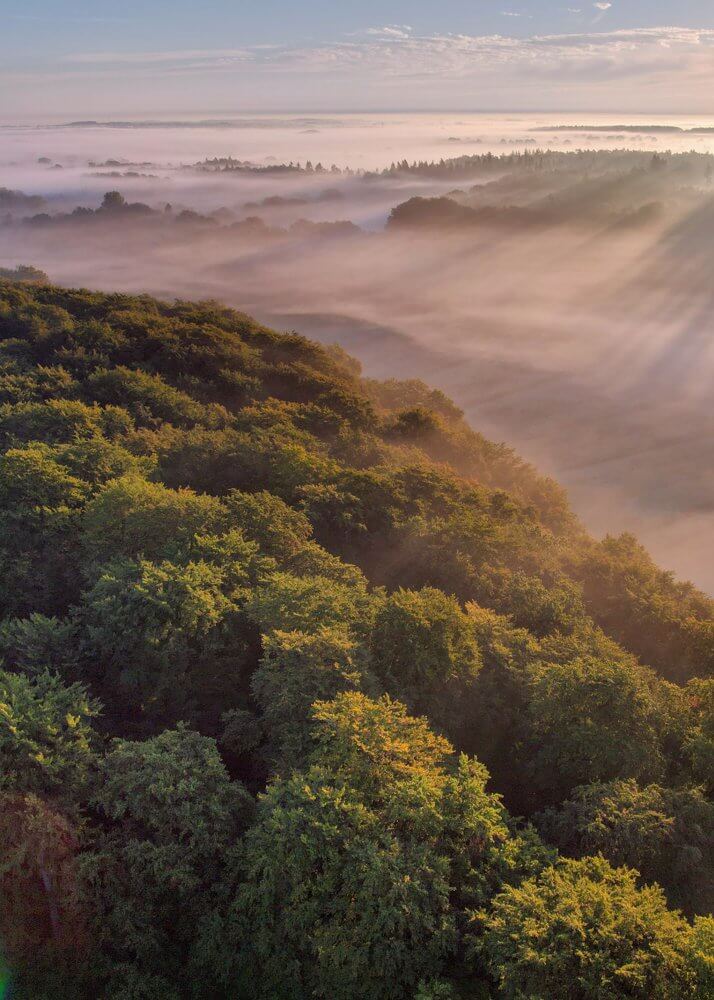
564	303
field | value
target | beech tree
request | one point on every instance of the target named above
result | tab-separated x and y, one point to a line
583	929
173	818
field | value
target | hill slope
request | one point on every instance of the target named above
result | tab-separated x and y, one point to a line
224	554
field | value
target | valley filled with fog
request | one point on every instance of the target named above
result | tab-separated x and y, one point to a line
551	275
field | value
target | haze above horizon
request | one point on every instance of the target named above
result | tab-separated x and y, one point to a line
91	58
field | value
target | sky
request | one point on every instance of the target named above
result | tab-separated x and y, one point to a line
96	57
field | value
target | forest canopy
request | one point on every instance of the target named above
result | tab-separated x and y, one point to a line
310	690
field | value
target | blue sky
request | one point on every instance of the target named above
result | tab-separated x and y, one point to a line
101	56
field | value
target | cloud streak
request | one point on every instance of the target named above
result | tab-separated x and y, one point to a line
146	58
394	49
393	66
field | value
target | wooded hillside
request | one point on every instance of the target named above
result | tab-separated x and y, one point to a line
309	690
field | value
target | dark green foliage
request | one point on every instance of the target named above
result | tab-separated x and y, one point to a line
132	517
150	875
60	421
161	638
298	669
47	744
584	930
643	607
667	834
593	721
149	399
279	530
333	903
307	603
247	553
424	650
40	504
36	643
346	873
700	738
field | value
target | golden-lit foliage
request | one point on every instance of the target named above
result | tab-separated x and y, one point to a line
280	649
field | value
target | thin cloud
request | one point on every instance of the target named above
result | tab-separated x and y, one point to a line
171	56
394	61
399	44
391	31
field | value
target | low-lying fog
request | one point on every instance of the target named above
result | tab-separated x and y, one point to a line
564	300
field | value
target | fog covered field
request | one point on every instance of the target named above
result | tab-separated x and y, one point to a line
564	299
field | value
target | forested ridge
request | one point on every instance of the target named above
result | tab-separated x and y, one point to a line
309	690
